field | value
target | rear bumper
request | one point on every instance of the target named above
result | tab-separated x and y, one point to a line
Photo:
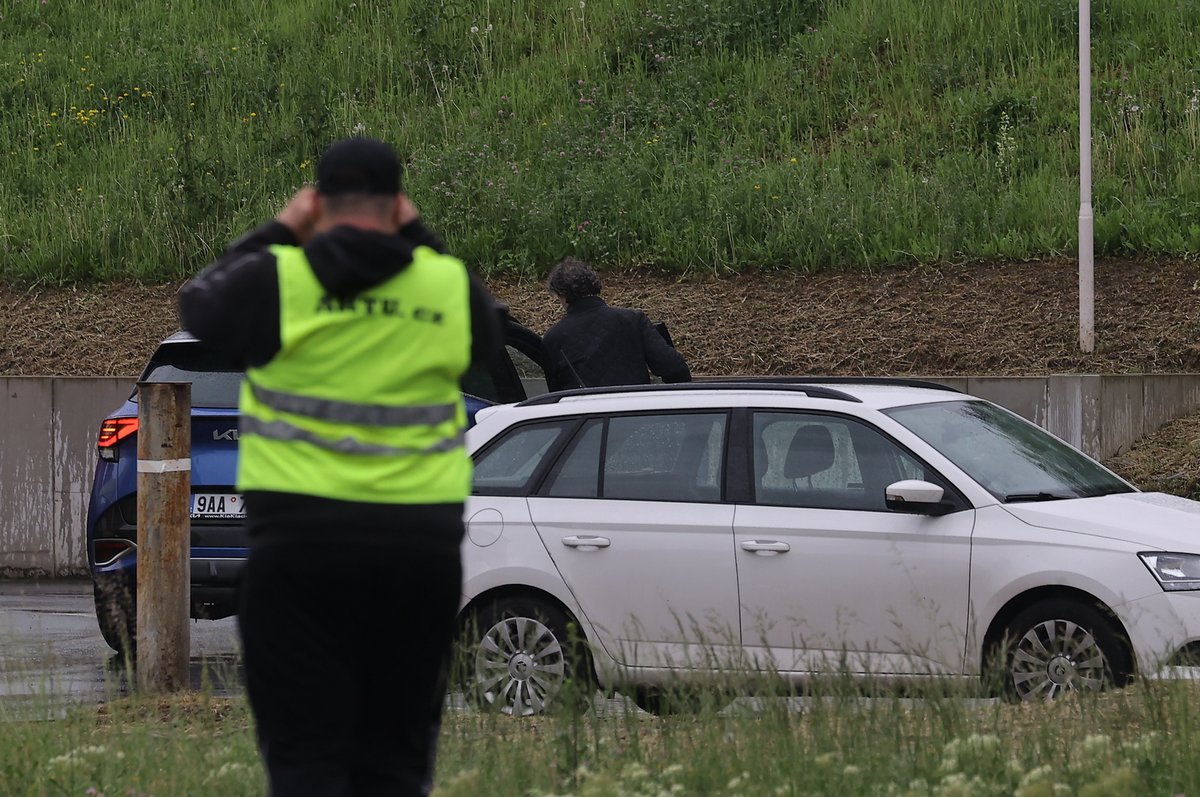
214	583
214	575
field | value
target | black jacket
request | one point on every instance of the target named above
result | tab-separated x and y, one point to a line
233	306
595	345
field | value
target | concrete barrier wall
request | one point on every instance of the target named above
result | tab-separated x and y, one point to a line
1102	415
48	429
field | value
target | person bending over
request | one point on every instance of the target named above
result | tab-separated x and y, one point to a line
595	345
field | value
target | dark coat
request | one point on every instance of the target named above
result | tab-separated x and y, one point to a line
595	345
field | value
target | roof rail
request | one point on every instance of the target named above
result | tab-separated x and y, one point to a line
898	381
812	390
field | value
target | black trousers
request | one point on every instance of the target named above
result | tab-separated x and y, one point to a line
346	652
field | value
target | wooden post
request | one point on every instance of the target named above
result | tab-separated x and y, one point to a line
164	486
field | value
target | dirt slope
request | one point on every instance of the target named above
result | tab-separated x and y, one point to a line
1000	318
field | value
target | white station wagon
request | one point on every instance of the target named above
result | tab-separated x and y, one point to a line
880	528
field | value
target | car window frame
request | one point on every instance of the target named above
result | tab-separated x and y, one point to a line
504	377
540	491
503	371
569	428
744	489
568	450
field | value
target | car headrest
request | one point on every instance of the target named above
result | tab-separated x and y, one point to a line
811	451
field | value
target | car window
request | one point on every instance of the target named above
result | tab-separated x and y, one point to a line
506	466
1007	455
825	461
494	381
514	374
528	356
216	378
531	374
577	472
664	457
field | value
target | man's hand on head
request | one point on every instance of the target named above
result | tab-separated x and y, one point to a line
301	213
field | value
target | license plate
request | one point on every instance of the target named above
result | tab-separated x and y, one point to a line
223	506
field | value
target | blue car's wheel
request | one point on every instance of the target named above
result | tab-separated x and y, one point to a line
116	614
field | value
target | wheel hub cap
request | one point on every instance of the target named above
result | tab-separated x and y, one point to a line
519	666
1061	670
1056	656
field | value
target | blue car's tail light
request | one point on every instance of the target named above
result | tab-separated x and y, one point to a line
113	431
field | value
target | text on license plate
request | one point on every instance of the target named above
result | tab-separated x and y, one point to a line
218	505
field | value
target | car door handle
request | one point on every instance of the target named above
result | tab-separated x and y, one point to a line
765	547
586	542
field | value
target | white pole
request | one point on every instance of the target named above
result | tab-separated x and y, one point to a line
1087	319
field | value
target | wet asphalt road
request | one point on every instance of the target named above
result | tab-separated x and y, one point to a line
52	655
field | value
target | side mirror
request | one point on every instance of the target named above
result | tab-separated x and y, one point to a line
915	497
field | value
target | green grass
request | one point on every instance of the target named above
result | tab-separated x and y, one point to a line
1137	741
140	138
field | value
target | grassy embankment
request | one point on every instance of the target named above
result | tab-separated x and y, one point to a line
141	137
1139	741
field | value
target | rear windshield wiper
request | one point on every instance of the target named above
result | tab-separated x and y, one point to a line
1014	498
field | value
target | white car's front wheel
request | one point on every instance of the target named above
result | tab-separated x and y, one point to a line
1060	646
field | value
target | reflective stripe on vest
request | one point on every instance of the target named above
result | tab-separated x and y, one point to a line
282	430
351	412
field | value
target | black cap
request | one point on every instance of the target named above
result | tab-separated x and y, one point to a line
358	166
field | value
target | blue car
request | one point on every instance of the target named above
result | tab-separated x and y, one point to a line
217	534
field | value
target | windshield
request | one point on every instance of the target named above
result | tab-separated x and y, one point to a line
1010	457
215	378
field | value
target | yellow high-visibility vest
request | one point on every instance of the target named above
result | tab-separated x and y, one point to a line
362	401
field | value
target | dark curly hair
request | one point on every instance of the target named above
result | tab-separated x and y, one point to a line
573	279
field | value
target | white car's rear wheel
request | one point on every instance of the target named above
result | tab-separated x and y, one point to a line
518	659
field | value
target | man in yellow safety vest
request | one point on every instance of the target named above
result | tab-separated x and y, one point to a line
355	328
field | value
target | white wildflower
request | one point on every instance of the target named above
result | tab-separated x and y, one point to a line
1037	775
